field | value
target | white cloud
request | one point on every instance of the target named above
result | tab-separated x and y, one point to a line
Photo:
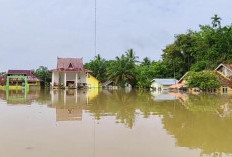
34	33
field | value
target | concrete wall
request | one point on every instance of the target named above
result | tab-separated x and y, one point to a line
56	77
82	78
92	82
70	76
156	85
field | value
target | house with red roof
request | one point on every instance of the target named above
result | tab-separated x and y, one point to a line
70	73
18	83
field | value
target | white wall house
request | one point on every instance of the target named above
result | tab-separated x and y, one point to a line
162	84
69	72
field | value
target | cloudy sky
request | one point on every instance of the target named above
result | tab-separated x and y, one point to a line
35	32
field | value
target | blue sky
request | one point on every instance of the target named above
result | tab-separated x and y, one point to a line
34	33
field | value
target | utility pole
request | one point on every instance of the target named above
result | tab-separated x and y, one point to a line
95	28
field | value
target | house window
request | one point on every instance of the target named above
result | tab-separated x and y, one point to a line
224	90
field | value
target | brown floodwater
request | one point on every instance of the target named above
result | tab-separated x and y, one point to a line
122	123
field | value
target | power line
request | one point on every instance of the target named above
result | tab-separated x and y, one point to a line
95	29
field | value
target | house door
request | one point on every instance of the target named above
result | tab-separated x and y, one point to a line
70	84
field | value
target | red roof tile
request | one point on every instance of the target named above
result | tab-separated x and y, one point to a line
19	72
70	63
28	73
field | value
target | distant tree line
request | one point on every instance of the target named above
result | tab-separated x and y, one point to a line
193	51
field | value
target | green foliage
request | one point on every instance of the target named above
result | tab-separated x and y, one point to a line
44	74
200	50
122	70
203	80
144	76
193	51
145	73
199	66
216	21
146	62
98	68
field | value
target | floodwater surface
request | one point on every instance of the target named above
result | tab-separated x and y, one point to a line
122	123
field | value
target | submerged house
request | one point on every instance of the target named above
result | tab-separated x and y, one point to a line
162	84
19	79
70	73
224	73
181	84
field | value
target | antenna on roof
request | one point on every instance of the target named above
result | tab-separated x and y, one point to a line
95	29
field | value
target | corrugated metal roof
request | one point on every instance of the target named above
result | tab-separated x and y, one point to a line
167	82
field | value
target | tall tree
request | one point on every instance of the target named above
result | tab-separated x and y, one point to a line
216	21
98	67
44	74
130	54
146	61
122	71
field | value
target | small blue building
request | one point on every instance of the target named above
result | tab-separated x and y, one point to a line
162	84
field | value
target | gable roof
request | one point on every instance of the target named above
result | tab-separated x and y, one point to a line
107	83
76	63
167	82
228	66
30	76
182	78
223	80
19	72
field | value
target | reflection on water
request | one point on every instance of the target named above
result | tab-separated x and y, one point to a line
115	123
69	104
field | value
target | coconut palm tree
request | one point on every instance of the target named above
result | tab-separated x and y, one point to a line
121	71
130	54
216	21
98	67
146	62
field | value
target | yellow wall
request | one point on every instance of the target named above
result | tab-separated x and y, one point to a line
37	84
229	90
2	87
92	93
34	84
92	82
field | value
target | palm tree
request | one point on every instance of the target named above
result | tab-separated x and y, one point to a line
146	62
130	54
98	67
121	71
98	57
216	21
